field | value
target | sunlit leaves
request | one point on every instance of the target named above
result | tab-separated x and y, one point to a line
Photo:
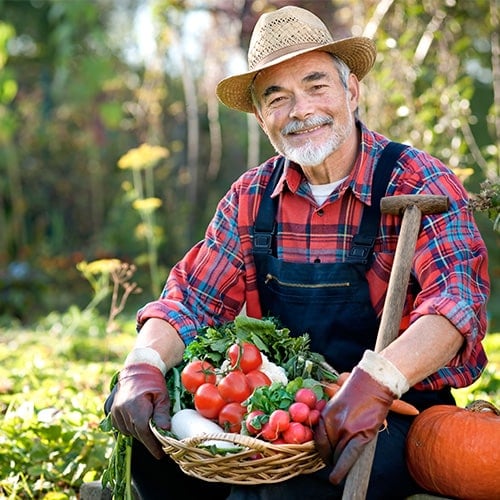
51	409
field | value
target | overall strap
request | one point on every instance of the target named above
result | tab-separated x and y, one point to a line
264	230
362	243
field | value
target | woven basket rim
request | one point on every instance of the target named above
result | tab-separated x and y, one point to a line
254	461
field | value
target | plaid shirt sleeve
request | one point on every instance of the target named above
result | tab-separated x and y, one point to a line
216	278
450	266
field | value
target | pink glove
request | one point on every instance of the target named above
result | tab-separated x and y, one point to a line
355	414
141	394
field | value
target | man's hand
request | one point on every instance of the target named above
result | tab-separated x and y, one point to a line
141	394
357	412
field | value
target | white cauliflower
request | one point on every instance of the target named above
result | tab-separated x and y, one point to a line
273	371
225	367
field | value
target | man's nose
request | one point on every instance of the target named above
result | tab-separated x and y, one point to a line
302	107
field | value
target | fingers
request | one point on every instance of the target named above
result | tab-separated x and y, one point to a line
342	456
139	429
322	443
143	433
122	423
346	460
131	421
161	415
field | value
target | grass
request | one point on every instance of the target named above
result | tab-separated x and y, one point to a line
488	385
54	379
53	383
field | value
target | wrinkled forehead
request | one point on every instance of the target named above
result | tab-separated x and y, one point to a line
300	69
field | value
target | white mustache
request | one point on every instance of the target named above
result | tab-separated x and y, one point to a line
299	125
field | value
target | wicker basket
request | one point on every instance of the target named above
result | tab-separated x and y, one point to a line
254	461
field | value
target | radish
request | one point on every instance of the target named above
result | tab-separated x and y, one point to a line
307	396
296	433
279	420
299	412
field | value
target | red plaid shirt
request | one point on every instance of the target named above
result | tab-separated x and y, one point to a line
217	278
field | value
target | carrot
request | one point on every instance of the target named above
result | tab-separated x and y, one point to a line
403	408
331	389
342	377
397	406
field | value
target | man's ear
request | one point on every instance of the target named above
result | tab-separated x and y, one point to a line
353	87
259	119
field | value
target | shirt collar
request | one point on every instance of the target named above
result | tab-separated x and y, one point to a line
292	178
361	177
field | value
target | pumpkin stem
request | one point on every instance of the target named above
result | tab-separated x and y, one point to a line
481	405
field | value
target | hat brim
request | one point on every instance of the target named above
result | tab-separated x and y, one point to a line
358	53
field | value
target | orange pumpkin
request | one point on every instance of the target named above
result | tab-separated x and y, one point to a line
456	451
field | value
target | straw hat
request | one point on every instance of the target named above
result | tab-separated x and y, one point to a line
286	33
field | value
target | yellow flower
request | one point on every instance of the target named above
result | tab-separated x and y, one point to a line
147	205
96	267
143	157
463	173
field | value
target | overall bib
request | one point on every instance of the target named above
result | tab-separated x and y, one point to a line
329	301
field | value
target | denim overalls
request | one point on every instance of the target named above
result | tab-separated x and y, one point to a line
331	302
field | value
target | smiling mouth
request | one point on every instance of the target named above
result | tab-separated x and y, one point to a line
306	130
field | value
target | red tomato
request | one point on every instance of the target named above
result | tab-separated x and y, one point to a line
196	373
279	420
299	412
234	387
307	396
256	378
231	417
295	434
253	422
246	357
208	401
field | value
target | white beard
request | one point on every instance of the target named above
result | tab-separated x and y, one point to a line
310	154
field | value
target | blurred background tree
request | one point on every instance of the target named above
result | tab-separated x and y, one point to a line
83	82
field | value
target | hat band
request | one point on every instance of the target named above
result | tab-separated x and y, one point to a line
276	54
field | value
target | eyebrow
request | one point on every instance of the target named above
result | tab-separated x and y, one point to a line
311	77
271	90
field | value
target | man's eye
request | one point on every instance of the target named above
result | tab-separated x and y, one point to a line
276	100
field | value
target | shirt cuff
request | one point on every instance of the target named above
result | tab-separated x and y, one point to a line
146	355
384	372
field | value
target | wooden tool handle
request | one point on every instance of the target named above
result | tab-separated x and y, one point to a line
359	475
427	204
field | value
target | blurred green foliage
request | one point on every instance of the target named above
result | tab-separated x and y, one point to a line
84	82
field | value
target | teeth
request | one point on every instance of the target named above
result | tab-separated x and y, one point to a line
299	132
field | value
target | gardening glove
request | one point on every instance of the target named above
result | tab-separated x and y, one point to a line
141	394
357	412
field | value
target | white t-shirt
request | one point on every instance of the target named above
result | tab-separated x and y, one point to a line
322	191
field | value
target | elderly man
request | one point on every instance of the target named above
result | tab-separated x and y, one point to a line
301	238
